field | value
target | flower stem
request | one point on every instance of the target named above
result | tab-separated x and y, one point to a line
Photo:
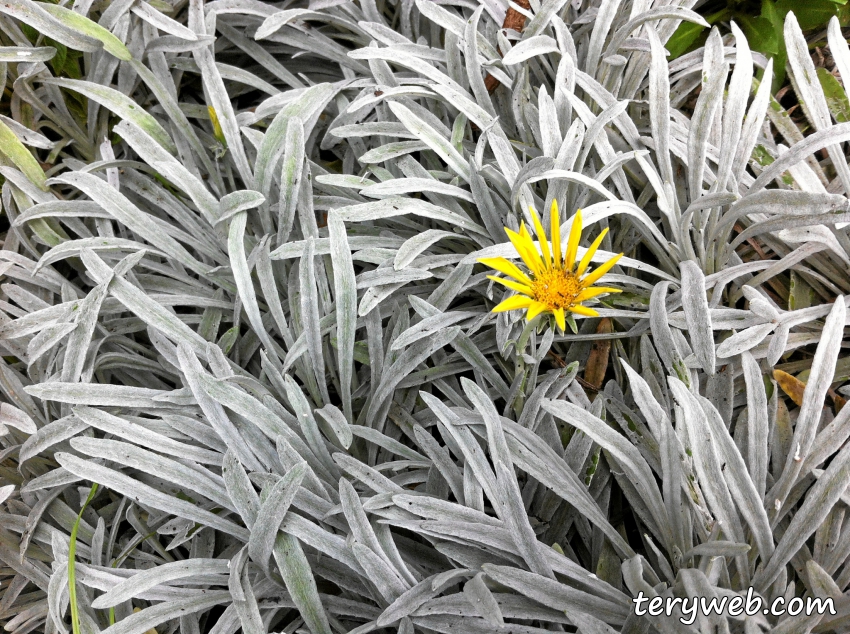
72	564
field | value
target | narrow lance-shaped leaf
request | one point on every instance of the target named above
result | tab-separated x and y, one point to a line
704	111
695	305
310	316
21	156
820	378
757	422
239	264
432	138
35	15
272	511
290	179
299	580
345	296
90	29
121	105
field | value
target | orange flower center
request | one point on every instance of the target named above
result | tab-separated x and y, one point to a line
556	288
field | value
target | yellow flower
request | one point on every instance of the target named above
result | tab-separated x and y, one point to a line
554	283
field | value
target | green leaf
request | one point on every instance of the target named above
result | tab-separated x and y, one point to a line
762	34
683	38
361	350
21	157
801	295
771	12
836	98
690	36
58	61
71	67
83	25
38	17
811	14
30	33
762	156
228	339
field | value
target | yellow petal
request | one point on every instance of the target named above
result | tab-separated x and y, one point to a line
555	230
541	237
503	265
532	249
560	319
588	255
602	270
535	309
514	286
524	232
525	248
593	291
572	244
514	302
583	310
591	251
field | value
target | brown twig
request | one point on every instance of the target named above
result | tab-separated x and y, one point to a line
563	364
558	360
755	245
590	387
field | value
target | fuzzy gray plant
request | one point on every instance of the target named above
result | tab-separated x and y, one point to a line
250	376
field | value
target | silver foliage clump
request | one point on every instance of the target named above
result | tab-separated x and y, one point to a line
241	295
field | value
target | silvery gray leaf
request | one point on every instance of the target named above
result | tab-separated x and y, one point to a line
257	317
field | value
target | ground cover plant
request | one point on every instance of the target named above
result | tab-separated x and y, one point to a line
251	374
